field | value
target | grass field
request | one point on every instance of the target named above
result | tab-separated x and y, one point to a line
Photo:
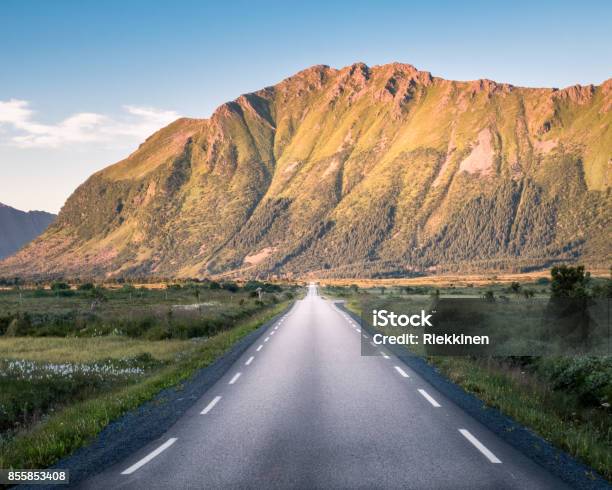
56	392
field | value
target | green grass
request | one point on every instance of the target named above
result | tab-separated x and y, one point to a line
89	349
584	432
72	426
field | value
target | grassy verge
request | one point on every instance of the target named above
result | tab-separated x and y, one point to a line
585	433
71	427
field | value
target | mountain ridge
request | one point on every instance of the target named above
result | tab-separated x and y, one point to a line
351	171
20	227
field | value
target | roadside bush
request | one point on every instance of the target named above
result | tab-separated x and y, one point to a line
40	293
232	287
5	321
19	326
136	328
590	378
158	332
189	330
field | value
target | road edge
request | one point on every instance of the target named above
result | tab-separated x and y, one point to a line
536	448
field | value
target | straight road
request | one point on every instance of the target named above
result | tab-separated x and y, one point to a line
303	409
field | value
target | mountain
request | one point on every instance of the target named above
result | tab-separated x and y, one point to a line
18	228
359	171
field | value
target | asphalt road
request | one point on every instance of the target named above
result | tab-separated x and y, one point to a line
303	409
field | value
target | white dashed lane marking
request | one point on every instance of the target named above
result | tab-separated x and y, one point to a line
235	378
480	446
402	372
429	398
149	456
211	405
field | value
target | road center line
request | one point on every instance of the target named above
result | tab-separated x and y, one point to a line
149	456
272	333
480	446
402	372
266	339
211	405
359	330
249	361
385	355
259	348
235	378
429	398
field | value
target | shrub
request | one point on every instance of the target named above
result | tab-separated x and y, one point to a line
40	293
489	296
232	287
19	326
588	377
158	332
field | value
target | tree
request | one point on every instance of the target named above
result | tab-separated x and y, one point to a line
567	313
569	282
489	296
59	286
98	297
515	287
604	290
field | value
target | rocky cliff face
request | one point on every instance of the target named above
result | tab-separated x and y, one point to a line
17	228
352	171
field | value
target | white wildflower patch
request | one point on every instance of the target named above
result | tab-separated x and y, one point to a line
30	370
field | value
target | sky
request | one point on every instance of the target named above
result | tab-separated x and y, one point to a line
84	82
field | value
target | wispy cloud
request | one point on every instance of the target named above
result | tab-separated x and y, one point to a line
19	127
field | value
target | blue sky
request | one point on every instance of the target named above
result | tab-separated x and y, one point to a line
83	82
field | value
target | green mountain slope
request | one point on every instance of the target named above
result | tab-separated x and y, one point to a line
356	171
